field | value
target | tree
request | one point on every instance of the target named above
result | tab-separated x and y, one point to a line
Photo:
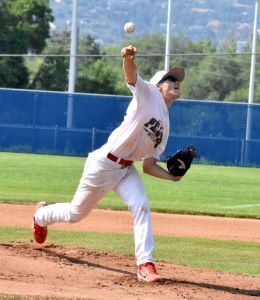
181	44
13	72
96	74
98	78
24	27
29	25
87	45
213	79
53	72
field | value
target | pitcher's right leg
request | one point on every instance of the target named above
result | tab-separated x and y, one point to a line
83	202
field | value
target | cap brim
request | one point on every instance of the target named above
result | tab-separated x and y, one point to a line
176	72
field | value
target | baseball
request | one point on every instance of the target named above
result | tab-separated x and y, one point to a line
129	27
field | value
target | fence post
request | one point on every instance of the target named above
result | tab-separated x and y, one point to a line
34	122
242	158
93	138
55	138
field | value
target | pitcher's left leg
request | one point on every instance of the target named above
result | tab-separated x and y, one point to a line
131	190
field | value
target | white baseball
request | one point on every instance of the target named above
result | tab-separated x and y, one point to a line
129	27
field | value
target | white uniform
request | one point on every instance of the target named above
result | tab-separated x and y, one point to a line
142	134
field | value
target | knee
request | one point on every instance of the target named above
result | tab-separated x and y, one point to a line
75	216
141	206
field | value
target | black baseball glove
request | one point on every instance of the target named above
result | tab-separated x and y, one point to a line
179	163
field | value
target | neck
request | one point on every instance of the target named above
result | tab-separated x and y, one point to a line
169	102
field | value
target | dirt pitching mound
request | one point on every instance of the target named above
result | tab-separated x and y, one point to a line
50	270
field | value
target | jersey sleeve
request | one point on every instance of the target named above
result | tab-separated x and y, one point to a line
156	153
140	91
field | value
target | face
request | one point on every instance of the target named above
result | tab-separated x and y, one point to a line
170	91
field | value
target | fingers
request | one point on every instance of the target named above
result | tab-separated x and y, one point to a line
129	51
177	178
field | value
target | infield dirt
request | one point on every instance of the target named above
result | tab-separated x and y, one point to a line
51	270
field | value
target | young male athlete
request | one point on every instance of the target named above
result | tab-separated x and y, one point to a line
141	136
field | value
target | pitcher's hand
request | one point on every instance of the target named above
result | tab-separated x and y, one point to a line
128	52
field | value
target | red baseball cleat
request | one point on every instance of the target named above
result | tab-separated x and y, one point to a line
39	232
148	273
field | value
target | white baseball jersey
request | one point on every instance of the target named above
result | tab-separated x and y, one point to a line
145	129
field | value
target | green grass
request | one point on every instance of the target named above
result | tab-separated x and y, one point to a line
210	190
228	256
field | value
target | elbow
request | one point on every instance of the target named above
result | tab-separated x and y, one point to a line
149	166
146	169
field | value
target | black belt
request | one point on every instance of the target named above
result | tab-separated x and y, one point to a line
120	161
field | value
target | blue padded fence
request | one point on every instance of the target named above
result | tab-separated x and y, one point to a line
37	122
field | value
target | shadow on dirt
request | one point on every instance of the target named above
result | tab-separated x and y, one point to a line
229	289
84	262
131	278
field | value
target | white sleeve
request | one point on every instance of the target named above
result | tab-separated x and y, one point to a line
140	91
155	153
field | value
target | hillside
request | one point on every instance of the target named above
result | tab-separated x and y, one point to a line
104	19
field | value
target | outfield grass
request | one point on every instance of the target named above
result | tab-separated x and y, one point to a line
228	256
210	190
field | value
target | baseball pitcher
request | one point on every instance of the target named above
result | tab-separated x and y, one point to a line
141	136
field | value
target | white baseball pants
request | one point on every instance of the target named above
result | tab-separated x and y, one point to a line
100	176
